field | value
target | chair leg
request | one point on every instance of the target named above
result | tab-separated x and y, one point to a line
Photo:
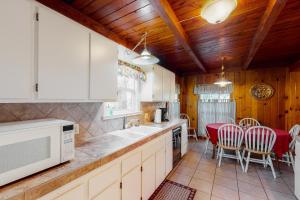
247	162
221	155
264	160
206	145
241	161
195	135
218	152
237	156
243	154
271	165
292	160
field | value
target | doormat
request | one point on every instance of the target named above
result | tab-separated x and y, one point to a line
170	190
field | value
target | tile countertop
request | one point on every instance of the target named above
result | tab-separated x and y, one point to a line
88	156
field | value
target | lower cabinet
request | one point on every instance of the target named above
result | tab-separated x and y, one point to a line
184	139
169	152
148	177
160	166
131	185
134	176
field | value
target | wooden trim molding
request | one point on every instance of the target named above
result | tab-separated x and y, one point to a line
168	16
269	17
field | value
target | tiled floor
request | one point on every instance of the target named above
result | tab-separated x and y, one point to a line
228	182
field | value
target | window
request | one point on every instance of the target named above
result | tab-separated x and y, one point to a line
129	87
214	97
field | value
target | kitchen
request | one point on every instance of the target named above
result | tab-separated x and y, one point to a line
87	110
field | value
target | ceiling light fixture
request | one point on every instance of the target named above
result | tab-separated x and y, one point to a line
217	11
146	58
223	82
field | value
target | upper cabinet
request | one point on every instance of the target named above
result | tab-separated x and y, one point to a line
16	50
159	86
63	57
104	68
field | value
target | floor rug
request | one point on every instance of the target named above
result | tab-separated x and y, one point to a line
170	190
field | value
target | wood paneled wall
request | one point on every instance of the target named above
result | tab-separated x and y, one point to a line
281	111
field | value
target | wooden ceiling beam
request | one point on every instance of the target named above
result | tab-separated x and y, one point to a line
168	16
69	11
269	17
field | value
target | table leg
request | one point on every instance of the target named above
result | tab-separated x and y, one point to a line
278	163
214	152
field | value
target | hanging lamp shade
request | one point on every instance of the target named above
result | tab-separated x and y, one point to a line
223	82
217	11
146	58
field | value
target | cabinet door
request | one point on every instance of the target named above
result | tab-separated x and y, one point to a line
63	57
172	86
131	185
75	193
184	139
166	85
148	177
111	193
160	162
157	83
16	52
169	153
104	68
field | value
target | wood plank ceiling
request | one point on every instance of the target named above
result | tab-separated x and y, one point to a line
126	20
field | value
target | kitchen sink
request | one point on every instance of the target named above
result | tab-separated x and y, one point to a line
145	130
136	132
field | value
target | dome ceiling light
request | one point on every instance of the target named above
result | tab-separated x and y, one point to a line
217	11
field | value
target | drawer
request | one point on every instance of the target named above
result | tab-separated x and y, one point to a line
152	148
104	179
131	162
112	193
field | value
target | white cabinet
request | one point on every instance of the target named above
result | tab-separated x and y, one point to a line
166	85
131	185
132	177
173	87
63	57
16	49
160	166
297	170
152	89
148	177
184	139
104	68
169	152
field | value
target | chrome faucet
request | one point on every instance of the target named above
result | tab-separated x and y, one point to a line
124	122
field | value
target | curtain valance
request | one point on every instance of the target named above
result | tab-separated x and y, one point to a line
212	89
129	70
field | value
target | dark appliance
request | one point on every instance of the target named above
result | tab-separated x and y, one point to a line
164	114
176	145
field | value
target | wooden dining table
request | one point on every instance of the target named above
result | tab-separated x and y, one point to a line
281	145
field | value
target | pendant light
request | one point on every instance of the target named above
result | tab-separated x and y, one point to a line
217	11
146	58
222	82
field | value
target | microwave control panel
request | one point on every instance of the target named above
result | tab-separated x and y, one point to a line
67	143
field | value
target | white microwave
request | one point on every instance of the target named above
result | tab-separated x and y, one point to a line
27	147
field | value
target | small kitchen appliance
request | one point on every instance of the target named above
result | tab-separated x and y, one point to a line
157	116
27	147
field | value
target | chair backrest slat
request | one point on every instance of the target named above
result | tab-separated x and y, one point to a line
294	131
248	122
230	135
260	139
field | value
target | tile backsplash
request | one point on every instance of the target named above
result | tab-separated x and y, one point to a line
87	115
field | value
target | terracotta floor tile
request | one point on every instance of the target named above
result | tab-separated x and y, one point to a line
206	168
252	189
185	171
226	182
202	196
180	178
224	193
204	176
244	196
272	195
226	173
216	198
201	185
277	186
186	163
249	179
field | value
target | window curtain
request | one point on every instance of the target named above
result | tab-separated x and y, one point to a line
216	109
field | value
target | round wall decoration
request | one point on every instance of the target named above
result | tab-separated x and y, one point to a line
262	91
